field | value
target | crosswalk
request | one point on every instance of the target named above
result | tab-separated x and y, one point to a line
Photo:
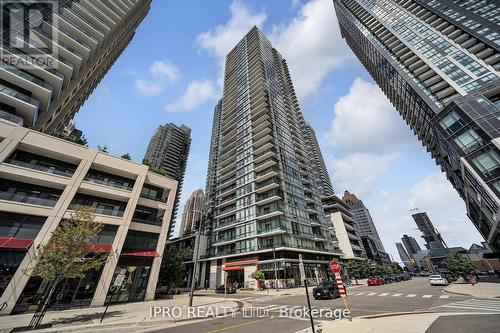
364	293
474	304
260	299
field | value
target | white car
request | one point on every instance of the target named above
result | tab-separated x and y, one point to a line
437	280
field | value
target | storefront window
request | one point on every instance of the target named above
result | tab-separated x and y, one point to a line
133	288
10	260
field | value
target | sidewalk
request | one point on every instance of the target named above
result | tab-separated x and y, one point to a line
409	323
488	287
126	315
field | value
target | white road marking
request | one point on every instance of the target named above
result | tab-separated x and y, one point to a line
427	296
444	296
396	295
384	294
475	304
411	295
371	294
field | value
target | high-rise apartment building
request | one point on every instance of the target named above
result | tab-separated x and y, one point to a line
43	179
45	80
431	236
411	245
364	221
168	150
404	256
438	61
193	212
321	173
260	183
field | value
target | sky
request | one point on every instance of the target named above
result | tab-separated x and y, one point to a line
172	72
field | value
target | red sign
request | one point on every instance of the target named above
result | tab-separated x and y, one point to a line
335	267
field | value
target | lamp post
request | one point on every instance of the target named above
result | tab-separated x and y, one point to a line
195	268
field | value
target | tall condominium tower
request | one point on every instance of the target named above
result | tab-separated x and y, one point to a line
46	77
260	182
411	245
323	179
168	150
438	61
364	221
432	237
403	255
193	212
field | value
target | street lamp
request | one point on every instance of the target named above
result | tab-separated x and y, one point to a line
275	272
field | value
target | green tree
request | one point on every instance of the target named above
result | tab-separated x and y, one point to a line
458	265
103	149
353	269
172	266
159	171
126	156
67	255
145	161
258	276
79	140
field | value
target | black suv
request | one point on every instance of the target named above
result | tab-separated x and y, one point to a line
327	290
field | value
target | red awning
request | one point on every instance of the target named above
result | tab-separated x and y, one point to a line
100	248
15	243
139	253
233	268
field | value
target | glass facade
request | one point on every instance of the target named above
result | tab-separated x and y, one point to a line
262	188
98	205
437	63
28	193
41	163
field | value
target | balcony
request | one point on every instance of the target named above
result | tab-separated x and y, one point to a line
258	167
41	163
99	205
147	215
266	174
28	193
154	193
267	185
107	179
228	190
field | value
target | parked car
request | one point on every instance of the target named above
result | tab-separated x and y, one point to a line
230	289
406	276
437	280
327	289
387	278
375	281
396	277
424	273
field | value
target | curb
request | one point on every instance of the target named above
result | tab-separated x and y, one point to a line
469	295
394	314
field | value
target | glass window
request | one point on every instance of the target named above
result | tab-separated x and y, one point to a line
452	122
488	162
468	141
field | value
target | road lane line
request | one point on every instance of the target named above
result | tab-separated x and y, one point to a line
239	325
411	295
384	294
427	296
361	293
396	295
444	296
371	294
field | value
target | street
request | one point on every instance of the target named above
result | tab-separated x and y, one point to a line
405	296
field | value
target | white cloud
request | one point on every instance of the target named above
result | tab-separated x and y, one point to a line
364	120
359	172
162	72
149	88
164	69
221	39
434	194
197	92
312	45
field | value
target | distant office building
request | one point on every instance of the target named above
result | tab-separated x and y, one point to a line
431	236
262	198
438	62
411	245
372	252
322	178
78	42
168	150
343	227
43	179
364	221
193	212
404	256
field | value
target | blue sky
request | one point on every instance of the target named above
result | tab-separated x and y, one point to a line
172	70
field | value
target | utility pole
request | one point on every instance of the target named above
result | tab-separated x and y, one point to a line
195	268
275	272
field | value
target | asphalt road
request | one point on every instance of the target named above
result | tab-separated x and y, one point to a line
406	296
